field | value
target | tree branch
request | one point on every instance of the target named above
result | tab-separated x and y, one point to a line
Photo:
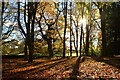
19	24
25	15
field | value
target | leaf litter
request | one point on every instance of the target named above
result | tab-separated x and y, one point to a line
88	69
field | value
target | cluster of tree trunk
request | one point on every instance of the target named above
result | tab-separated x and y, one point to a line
29	24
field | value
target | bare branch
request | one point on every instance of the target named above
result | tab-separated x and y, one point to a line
8	41
19	24
25	15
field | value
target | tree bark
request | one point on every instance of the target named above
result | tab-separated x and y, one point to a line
65	16
26	41
25	50
77	39
74	42
1	26
87	40
70	29
31	46
50	50
102	13
81	39
28	33
81	30
84	45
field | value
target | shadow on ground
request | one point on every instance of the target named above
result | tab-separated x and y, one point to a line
35	70
75	71
26	64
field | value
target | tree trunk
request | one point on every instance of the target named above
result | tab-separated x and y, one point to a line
50	50
84	45
70	29
25	50
28	34
102	13
77	39
30	51
31	36
74	42
65	16
81	39
49	41
87	40
81	30
1	26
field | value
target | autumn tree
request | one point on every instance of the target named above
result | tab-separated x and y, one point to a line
102	7
31	8
112	28
8	21
47	18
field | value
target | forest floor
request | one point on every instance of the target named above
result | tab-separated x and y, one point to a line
59	68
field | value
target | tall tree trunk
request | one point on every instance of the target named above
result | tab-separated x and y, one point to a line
74	42
65	16
87	40
81	30
1	26
70	28
50	50
28	34
77	39
26	41
30	51
102	13
83	45
81	39
50	43
31	47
